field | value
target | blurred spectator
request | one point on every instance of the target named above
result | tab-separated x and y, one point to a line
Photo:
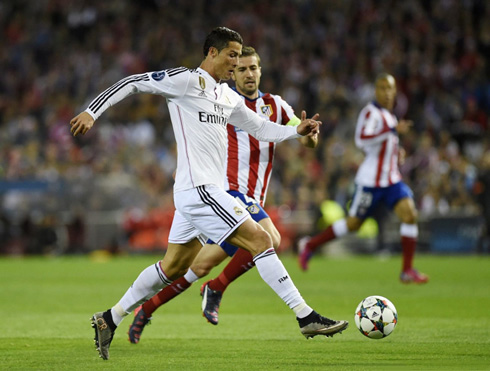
147	230
76	230
46	237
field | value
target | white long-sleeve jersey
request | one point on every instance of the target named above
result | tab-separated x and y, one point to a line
200	109
377	137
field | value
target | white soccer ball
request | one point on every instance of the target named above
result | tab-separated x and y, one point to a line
376	317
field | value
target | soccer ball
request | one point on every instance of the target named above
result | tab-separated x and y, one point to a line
376	317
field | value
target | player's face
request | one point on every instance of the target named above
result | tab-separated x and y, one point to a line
386	92
247	76
227	60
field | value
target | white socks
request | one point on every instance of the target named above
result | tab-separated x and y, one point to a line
340	228
190	276
148	283
275	275
409	230
153	279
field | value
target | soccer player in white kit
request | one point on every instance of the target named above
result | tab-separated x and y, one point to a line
200	107
378	180
248	170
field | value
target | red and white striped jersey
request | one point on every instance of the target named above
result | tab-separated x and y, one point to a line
249	161
377	137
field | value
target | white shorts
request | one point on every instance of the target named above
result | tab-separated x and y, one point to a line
205	211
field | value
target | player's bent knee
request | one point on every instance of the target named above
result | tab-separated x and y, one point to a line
258	242
353	224
251	237
202	270
409	216
174	272
264	241
174	268
410	219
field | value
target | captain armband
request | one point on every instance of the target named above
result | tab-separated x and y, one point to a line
295	121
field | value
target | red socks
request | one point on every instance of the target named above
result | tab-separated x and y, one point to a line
241	262
320	239
408	250
178	286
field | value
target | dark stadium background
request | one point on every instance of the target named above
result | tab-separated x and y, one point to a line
112	189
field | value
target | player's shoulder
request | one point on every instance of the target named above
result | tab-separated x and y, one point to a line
172	73
231	93
369	106
369	111
269	96
276	98
181	71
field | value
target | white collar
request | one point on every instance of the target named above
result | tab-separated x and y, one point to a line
207	74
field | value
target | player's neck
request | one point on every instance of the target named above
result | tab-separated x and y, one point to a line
253	96
385	106
206	66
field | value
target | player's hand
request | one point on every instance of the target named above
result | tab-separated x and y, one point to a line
81	123
402	155
404	126
309	141
310	127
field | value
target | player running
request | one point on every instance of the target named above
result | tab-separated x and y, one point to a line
378	180
248	171
200	107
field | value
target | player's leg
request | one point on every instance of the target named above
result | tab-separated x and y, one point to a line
307	246
211	298
219	216
241	262
362	202
212	291
407	213
207	258
252	237
175	263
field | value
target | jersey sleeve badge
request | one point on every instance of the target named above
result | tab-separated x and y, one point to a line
158	76
253	209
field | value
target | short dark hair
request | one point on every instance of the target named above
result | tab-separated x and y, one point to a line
248	51
219	38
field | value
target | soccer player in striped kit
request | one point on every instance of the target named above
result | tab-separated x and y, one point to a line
200	107
378	180
248	171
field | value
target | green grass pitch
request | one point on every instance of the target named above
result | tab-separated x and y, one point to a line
46	304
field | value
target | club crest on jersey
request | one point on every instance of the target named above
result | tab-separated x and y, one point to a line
253	209
267	110
157	76
238	211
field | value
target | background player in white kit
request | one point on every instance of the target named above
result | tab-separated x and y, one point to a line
200	106
377	180
248	171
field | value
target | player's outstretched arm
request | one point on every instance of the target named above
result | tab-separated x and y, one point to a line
81	123
404	126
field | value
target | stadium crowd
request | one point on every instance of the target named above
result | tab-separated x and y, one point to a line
320	56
